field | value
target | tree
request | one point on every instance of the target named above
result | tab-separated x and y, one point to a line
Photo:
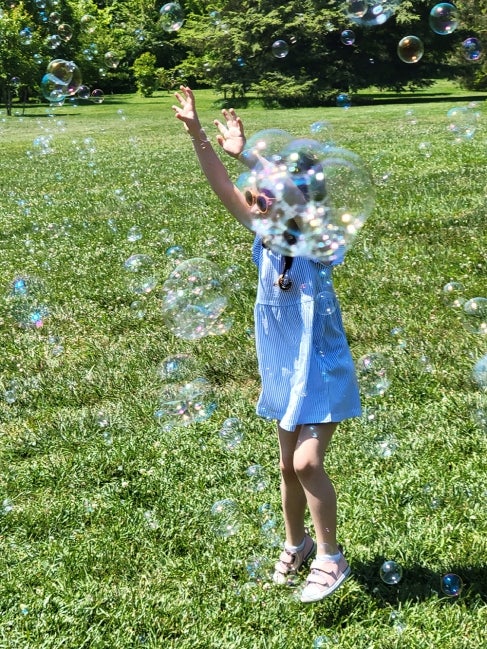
146	75
229	46
234	51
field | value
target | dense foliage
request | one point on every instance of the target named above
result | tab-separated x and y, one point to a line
228	46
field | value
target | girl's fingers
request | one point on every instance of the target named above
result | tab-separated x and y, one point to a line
220	126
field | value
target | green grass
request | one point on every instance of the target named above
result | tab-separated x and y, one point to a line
105	535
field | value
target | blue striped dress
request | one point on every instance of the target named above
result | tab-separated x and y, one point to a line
306	368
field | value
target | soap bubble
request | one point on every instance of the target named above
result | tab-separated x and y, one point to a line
462	122
372	371
142	278
480	414
194	299
84	92
443	18
257	478
97	96
410	49
184	403
65	32
280	49
398	334
26	298
52	89
325	303
25	35
453	294
385	446
180	367
176	254
397	621
215	17
231	433
343	100
347	37
324	641
171	17
474	315
225	518
134	233
268	144
66	74
55	18
53	41
479	372
257	569
356	8
112	60
88	23
322	131
391	572
472	49
311	201
451	585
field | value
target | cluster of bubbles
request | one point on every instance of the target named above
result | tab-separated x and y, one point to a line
308	198
185	397
194	299
391	573
443	20
62	79
369	13
226	520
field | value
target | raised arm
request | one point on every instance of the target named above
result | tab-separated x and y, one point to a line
210	163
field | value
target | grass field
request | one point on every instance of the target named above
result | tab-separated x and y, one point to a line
106	537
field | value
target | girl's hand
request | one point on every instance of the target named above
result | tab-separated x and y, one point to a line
231	138
186	112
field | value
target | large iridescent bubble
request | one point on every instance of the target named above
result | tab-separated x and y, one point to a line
194	300
443	18
62	78
171	17
308	198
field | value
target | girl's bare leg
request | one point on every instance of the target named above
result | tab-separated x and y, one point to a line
292	494
308	458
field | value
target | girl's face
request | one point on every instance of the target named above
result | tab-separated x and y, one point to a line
261	202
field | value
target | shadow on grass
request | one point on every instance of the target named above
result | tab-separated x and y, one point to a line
420	583
378	98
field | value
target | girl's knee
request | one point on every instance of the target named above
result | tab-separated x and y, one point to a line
306	465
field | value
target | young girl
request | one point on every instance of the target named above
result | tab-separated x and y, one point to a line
307	373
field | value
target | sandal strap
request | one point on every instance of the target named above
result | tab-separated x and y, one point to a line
322	572
285	563
287	557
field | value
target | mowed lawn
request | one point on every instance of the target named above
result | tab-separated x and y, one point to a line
106	533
